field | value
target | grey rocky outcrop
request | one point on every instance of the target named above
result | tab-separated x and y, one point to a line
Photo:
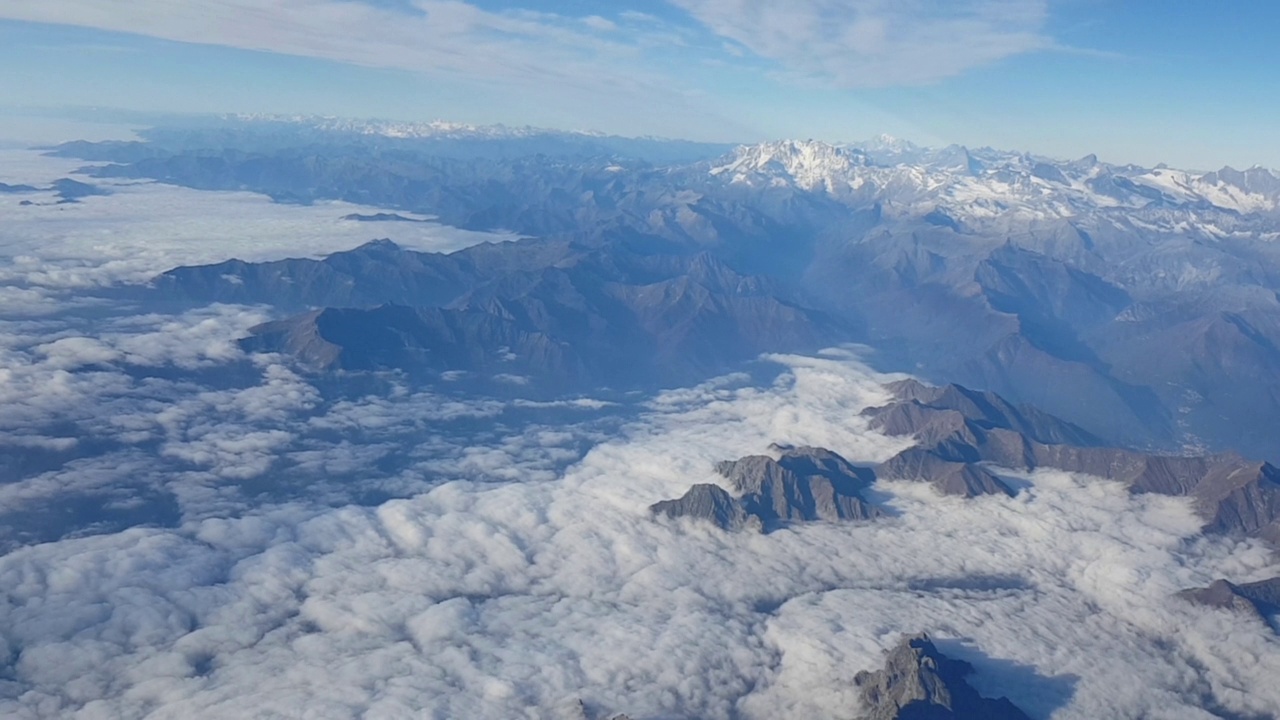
918	682
986	409
1261	598
804	484
708	502
947	477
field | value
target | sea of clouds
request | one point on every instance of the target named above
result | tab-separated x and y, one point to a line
189	531
145	228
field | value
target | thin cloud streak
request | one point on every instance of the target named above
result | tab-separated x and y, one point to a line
445	36
578	59
631	61
871	43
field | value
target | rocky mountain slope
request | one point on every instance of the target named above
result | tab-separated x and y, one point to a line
804	484
555	314
1260	598
966	444
920	683
963	434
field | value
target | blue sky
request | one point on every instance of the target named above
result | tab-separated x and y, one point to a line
1193	84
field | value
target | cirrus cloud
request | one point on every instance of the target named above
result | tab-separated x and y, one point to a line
874	43
853	43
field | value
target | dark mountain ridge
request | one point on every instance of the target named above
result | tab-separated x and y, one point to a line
565	317
962	433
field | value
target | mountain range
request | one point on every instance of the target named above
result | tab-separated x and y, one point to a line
560	316
1138	303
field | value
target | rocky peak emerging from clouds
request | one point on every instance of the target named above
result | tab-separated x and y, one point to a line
962	433
920	683
562	316
577	710
803	484
1260	598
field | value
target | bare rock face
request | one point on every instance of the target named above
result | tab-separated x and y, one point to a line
920	683
947	477
709	502
990	410
1261	598
803	485
954	425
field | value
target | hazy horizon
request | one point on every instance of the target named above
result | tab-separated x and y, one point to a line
1066	78
39	128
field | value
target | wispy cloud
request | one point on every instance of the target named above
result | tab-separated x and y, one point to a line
599	67
855	43
342	31
875	43
438	36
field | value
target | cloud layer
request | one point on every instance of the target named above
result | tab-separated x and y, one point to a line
143	229
157	416
506	600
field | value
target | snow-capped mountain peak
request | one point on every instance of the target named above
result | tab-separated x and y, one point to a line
991	186
809	164
885	141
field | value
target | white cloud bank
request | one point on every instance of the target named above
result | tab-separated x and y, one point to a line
505	600
143	229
